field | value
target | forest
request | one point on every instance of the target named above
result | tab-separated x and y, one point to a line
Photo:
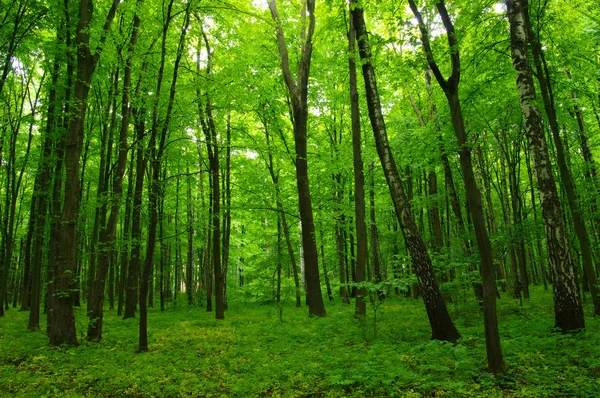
299	198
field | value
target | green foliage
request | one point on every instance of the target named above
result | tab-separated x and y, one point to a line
252	354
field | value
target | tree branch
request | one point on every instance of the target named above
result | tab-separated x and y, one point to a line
427	46
283	51
452	43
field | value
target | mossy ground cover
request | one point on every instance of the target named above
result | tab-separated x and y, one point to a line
252	353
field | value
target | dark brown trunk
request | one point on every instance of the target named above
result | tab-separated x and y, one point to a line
163	250
126	239
132	283
279	257
156	156
298	91
280	210
62	330
107	238
450	87
212	146
189	270
13	184
40	207
374	233
227	207
340	221
59	156
101	208
590	169
518	232
434	212
325	272
536	237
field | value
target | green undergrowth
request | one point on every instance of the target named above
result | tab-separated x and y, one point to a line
253	354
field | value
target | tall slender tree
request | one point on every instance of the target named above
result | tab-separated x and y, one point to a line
107	237
62	329
298	93
441	324
450	88
568	311
207	120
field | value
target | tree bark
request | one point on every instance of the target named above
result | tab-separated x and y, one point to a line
107	237
450	88
156	156
227	207
566	177
374	233
298	91
40	204
325	272
62	330
568	312
441	324
189	270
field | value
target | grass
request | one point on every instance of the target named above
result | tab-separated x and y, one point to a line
252	354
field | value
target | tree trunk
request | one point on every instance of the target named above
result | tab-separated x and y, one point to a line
126	239
561	158
441	324
189	271
518	241
40	207
568	312
279	266
325	272
212	145
450	87
108	234
156	155
298	91
62	330
280	210
374	233
227	206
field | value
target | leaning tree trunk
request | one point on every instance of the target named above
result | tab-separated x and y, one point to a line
441	324
563	167
568	311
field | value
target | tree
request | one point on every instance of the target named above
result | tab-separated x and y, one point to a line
212	145
359	177
62	329
566	176
107	237
298	93
450	87
568	312
441	324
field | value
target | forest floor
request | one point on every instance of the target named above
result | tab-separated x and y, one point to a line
253	354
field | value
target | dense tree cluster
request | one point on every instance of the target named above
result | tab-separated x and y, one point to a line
217	148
